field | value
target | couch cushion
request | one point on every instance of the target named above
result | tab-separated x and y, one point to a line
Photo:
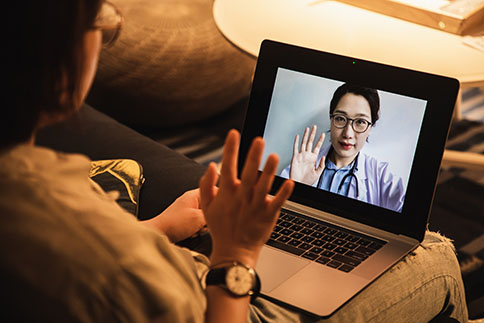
92	133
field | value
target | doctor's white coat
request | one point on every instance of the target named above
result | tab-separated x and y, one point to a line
376	184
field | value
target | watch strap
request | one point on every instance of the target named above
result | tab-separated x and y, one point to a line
217	276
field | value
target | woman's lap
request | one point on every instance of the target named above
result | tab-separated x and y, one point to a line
425	284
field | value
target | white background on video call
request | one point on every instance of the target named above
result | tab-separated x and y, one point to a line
301	100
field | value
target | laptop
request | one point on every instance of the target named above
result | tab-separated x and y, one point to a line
328	246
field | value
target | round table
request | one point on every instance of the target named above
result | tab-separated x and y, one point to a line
346	30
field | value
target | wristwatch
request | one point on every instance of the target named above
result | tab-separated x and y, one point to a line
238	279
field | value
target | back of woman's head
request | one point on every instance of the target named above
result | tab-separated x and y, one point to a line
44	58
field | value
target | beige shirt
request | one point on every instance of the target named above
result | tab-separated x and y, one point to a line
83	254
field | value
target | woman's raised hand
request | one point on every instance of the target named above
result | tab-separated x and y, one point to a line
240	214
304	168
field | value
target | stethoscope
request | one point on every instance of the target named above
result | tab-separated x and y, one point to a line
351	175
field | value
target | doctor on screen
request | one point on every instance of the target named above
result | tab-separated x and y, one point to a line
341	168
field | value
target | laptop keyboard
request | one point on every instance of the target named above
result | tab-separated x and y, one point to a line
322	242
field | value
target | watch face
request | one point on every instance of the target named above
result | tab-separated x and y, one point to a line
240	280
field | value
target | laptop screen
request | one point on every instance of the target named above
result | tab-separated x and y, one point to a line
370	137
384	130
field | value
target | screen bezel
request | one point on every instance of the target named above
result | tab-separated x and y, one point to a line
439	92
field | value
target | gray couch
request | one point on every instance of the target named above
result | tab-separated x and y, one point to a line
92	133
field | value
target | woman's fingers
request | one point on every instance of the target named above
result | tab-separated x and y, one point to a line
266	179
311	138
250	172
319	144
295	149
229	159
322	164
282	195
207	186
254	187
322	161
304	144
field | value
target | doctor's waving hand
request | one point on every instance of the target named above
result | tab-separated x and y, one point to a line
341	168
306	165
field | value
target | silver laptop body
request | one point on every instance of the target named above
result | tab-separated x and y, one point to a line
317	288
314	285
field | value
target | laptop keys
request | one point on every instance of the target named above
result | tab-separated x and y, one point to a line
319	228
363	242
334	264
365	251
307	231
296	227
375	245
340	250
317	250
307	239
318	243
310	255
323	260
275	235
294	242
287	217
356	255
341	235
346	260
285	224
305	246
330	246
277	228
346	268
286	232
317	234
350	245
285	247
325	244
352	238
283	239
308	224
339	242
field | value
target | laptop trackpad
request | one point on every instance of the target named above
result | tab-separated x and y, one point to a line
275	267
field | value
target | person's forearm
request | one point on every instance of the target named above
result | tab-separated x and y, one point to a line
240	216
154	223
223	307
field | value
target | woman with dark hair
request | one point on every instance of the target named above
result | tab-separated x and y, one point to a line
51	46
79	256
342	168
69	252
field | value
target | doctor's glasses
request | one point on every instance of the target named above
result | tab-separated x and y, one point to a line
359	125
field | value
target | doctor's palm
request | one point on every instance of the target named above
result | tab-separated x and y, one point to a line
304	164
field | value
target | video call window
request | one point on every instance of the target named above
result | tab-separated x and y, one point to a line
363	140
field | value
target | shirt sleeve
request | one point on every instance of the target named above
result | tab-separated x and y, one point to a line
392	190
285	172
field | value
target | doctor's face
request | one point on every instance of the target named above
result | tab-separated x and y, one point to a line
347	142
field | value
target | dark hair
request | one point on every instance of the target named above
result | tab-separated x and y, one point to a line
45	55
371	95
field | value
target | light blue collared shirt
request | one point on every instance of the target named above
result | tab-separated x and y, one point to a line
332	178
374	182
